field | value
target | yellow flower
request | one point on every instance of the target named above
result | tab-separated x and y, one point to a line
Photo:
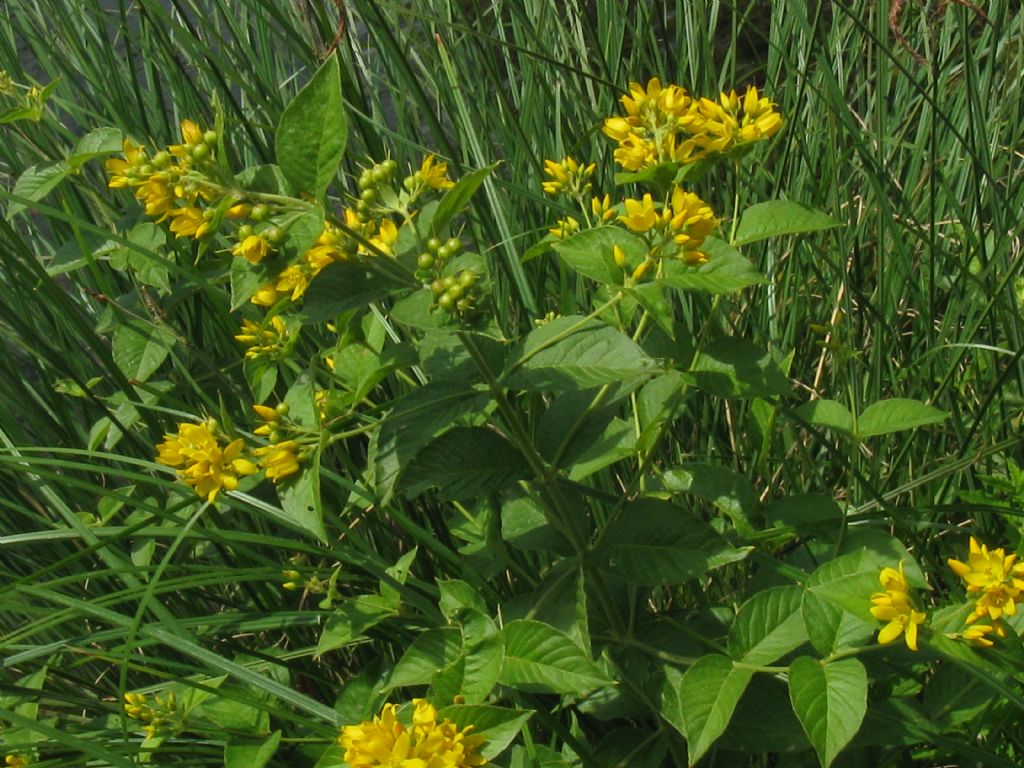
602	208
692	220
160	715
202	462
15	761
279	460
157	196
640	215
760	120
254	248
388	743
191	136
635	152
125	173
187	222
265	296
996	576
435	175
894	606
978	634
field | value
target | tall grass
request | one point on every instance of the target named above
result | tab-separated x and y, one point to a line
113	582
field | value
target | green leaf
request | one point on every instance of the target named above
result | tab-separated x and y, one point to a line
827	413
830	628
300	499
497	724
704	700
483	647
417	310
562	356
311	136
249	754
414	421
465	463
140	349
848	582
805	513
725	271
768	626
524	526
652	543
340	287
730	492
351	619
896	415
431	651
540	659
730	367
779	217
35	184
830	701
590	252
96	143
458	197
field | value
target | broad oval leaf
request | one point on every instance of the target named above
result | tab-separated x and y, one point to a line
830	628
725	271
730	492
653	543
731	367
780	217
830	414
830	701
896	415
431	651
96	143
590	252
571	353
313	131
465	463
300	499
138	349
705	698
768	626
540	659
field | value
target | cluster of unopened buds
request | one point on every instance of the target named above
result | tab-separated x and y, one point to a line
994	580
158	715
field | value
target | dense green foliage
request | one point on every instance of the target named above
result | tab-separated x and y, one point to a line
645	530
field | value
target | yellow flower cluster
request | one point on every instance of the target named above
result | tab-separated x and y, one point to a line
895	606
996	580
167	183
685	220
567	176
388	743
202	461
158	715
283	456
665	124
267	341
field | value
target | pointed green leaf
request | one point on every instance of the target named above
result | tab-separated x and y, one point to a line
300	499
731	367
458	197
35	184
730	492
768	626
465	463
827	413
830	701
250	754
725	271
311	136
653	543
562	356
351	619
96	143
431	651
705	698
896	415
140	349
590	252
780	217
540	659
